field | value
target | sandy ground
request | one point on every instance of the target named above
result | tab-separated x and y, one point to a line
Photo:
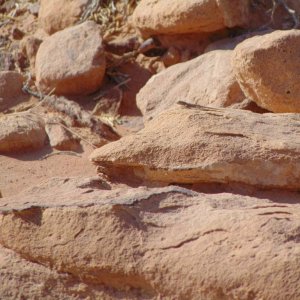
18	172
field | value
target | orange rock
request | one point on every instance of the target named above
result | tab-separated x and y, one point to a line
21	132
168	16
139	243
29	47
40	282
72	61
193	144
11	84
267	69
153	17
207	80
56	15
60	138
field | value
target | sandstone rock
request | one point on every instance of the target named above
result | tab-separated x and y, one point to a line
39	282
60	138
235	12
191	144
77	63
56	15
143	241
207	80
21	132
11	84
29	47
154	17
267	69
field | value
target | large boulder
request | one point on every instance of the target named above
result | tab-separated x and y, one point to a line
267	69
154	17
21	132
193	144
207	80
72	61
11	84
56	15
139	243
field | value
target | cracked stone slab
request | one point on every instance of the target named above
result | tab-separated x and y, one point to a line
145	240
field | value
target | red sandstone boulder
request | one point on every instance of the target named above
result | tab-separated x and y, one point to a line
56	15
71	61
267	69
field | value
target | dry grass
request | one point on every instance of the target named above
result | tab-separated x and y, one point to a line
111	15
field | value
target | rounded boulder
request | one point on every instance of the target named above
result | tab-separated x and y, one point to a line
267	69
71	61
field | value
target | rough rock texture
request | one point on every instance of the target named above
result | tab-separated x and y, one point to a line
55	15
11	84
77	63
235	12
154	17
207	80
143	241
22	279
190	144
267	69
60	138
21	132
29	47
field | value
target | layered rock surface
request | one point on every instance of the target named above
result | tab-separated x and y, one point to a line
207	80
71	61
143	241
267	69
191	144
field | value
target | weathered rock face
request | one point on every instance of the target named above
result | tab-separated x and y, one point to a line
207	80
267	69
154	17
72	61
191	144
21	132
56	15
167	17
11	84
39	282
29	48
60	138
142	242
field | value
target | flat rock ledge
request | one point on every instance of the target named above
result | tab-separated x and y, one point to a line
194	144
143	241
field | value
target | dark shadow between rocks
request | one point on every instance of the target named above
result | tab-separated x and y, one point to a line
274	195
